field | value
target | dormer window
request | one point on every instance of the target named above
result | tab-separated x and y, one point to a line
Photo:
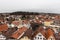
40	35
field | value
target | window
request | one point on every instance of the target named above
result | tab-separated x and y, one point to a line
40	35
40	38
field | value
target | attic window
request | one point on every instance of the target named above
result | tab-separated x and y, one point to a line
39	35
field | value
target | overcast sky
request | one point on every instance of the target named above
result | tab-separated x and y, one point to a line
50	6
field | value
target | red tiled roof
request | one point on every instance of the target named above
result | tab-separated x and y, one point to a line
1	20
40	30
16	23
38	21
18	32
50	32
3	27
48	20
25	21
46	33
28	33
56	17
9	32
59	33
